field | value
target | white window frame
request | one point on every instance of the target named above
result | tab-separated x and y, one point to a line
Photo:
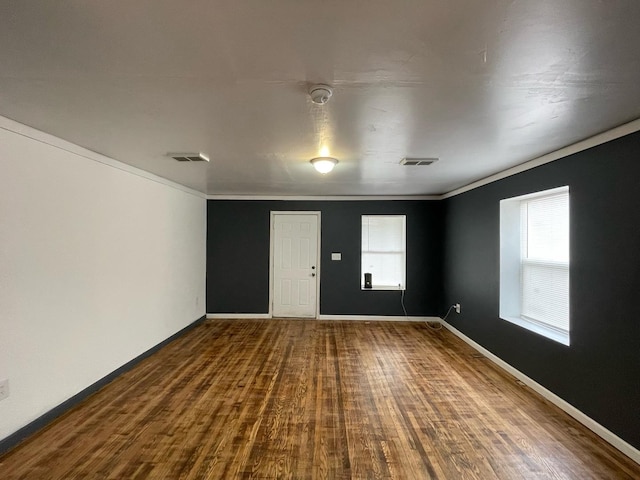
512	231
403	255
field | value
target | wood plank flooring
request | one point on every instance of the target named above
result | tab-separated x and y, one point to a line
303	399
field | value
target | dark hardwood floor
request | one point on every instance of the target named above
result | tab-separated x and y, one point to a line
308	399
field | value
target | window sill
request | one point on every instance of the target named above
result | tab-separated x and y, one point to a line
550	333
378	289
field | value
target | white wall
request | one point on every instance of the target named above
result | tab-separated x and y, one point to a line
98	263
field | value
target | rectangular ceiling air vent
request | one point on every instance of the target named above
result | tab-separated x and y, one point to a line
189	157
411	162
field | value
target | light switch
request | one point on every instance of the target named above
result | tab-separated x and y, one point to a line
336	256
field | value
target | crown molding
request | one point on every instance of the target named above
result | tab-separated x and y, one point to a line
599	139
594	141
320	198
39	136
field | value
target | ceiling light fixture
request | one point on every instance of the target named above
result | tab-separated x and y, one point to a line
324	164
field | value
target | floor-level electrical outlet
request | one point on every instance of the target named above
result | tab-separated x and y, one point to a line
4	389
457	307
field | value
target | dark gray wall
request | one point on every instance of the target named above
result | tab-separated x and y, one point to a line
600	372
238	256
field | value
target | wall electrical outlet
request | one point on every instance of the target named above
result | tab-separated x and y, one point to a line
4	389
457	307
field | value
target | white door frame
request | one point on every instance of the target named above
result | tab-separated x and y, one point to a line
271	250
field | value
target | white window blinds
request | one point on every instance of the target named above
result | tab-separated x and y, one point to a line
545	260
384	250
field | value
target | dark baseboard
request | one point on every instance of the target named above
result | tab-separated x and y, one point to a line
19	436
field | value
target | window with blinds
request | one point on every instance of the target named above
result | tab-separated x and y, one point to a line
534	256
545	260
384	251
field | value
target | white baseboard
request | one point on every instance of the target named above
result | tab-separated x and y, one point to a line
237	315
374	318
380	318
588	422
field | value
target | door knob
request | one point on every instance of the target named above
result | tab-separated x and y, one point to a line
313	267
313	274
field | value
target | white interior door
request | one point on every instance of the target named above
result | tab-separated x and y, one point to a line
294	265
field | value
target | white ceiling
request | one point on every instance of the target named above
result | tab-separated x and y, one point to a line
483	85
